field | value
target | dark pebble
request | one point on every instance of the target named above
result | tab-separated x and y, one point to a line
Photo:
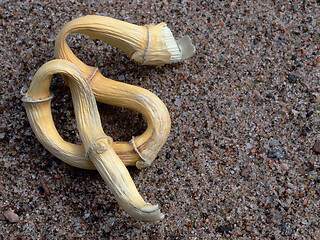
45	187
268	220
316	147
226	229
168	155
160	171
310	166
309	114
292	79
304	133
276	154
269	95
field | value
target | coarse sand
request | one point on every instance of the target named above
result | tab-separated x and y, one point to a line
241	160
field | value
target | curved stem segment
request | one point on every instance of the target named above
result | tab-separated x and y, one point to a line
150	45
98	146
38	107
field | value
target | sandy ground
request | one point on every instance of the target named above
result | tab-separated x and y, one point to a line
240	160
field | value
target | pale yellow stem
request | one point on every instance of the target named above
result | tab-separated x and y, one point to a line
98	146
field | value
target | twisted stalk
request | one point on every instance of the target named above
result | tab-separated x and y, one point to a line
148	45
98	146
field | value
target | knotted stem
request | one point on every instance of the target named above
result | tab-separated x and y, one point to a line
98	146
151	45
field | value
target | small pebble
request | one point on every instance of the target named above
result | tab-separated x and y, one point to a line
257	95
292	79
2	135
289	191
168	155
25	207
316	147
123	13
271	164
248	146
245	173
224	229
160	171
45	187
309	114
305	202
269	95
106	229
121	78
284	166
310	166
275	153
177	102
274	143
11	216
